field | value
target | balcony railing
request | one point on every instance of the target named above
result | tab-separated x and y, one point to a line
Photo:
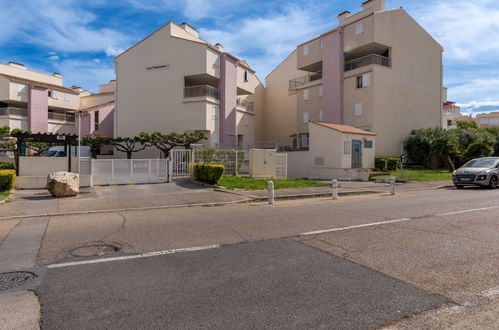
61	116
368	60
200	91
297	82
9	111
245	104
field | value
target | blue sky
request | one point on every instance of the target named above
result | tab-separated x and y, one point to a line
80	38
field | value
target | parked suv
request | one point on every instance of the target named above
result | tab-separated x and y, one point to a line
478	172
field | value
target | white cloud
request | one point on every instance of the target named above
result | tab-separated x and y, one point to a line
468	30
270	38
87	74
54	58
113	51
61	26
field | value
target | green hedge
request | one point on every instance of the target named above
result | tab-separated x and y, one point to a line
7	180
387	163
209	173
6	166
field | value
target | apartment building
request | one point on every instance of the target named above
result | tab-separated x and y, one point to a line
97	111
378	71
35	101
488	119
175	81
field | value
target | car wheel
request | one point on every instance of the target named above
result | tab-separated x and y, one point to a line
458	186
493	182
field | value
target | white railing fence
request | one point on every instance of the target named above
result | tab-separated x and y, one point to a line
124	171
281	165
181	162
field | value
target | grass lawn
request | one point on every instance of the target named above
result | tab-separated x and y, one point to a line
3	195
246	183
411	174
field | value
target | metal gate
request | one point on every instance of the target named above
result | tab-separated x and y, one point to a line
281	165
124	171
181	162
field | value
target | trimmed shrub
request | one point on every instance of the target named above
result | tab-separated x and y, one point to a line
387	163
7	180
209	173
6	166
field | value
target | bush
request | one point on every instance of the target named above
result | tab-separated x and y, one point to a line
387	163
7	180
6	166
209	173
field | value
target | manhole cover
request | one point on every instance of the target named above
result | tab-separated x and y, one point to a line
96	249
14	279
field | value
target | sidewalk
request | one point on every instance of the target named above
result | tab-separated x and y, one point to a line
40	203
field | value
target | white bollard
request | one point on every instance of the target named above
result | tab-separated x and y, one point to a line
270	187
392	186
335	189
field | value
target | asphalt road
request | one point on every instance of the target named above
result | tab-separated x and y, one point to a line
278	284
338	261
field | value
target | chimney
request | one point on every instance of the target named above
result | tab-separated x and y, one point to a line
374	5
219	47
343	17
189	29
57	74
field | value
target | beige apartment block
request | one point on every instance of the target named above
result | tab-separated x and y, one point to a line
175	81
379	71
36	101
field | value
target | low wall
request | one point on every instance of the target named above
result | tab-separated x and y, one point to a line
39	182
298	164
324	173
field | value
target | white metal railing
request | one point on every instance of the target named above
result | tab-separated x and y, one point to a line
297	82
281	165
368	60
10	111
202	90
181	162
123	171
245	104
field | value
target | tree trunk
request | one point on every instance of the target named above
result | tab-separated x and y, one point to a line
129	155
451	163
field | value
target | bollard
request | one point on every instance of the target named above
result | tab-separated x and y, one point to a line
335	189
392	186
270	186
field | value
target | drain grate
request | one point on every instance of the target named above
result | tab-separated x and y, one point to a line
95	249
14	279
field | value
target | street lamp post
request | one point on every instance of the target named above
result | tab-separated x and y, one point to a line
80	115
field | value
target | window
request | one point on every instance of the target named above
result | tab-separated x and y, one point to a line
305	50
305	94
320	91
49	93
364	80
303	140
321	43
449	122
214	112
358	109
21	88
245	76
55	95
359	28
305	117
368	144
321	115
96	120
67	97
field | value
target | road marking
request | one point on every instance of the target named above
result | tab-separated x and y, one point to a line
466	211
355	227
395	221
136	256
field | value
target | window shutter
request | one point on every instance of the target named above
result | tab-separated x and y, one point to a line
305	117
366	80
305	94
358	109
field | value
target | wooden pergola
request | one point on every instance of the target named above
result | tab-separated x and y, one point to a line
66	139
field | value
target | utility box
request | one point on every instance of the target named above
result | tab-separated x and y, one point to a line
263	163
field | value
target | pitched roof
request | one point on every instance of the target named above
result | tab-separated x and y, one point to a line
40	84
344	128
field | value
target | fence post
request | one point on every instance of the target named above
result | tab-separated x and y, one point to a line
335	189
235	170
112	170
149	168
392	186
270	186
91	172
131	168
170	170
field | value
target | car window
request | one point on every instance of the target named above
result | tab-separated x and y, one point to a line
480	162
50	153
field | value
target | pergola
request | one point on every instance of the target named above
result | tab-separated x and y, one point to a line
66	139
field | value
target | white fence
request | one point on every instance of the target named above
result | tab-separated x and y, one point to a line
123	171
181	162
281	165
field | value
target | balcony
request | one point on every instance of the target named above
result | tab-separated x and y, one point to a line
368	60
201	91
14	112
245	104
69	117
297	82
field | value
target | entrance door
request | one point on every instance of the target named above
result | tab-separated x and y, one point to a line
356	154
